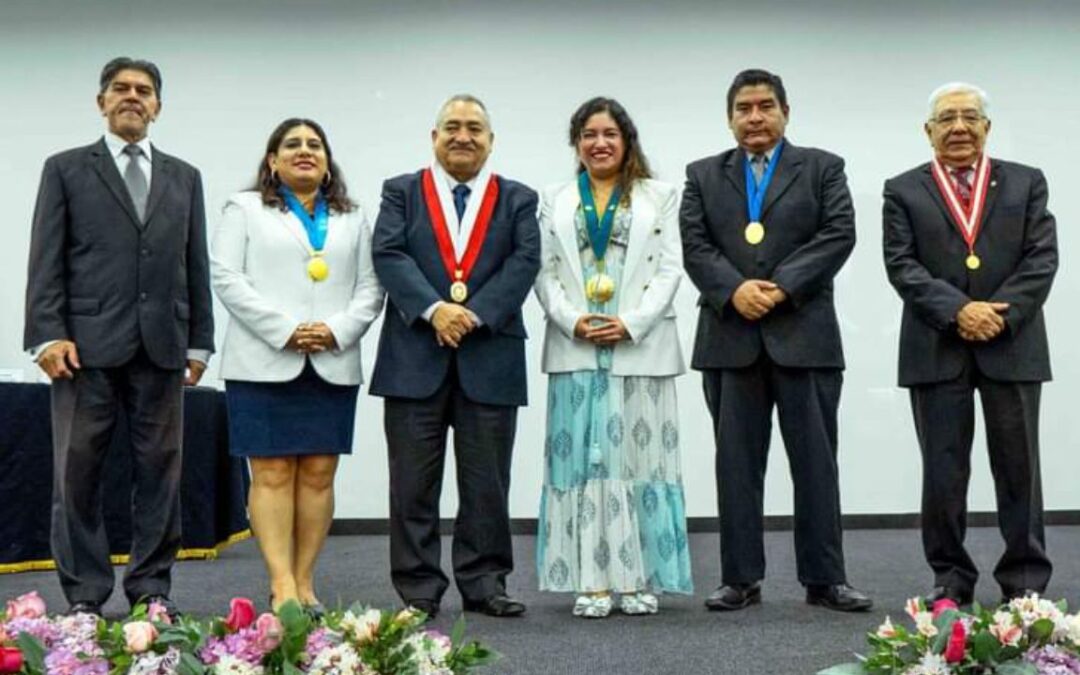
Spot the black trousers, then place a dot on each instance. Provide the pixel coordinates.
(84, 414)
(483, 443)
(741, 401)
(945, 424)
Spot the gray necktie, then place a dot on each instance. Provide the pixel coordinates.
(758, 166)
(135, 180)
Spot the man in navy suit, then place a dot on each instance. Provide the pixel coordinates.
(971, 248)
(117, 307)
(766, 226)
(457, 249)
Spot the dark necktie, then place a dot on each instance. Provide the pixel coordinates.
(135, 180)
(963, 187)
(461, 196)
(757, 164)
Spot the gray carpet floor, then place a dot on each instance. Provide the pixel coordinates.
(781, 636)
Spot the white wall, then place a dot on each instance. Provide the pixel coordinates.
(857, 73)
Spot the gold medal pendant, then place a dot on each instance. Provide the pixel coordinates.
(459, 292)
(317, 268)
(600, 288)
(754, 233)
(972, 262)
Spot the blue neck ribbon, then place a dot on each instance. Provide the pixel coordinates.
(316, 226)
(599, 229)
(755, 192)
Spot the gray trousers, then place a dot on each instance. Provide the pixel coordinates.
(84, 414)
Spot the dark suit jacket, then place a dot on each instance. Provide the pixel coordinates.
(491, 359)
(101, 278)
(810, 231)
(924, 257)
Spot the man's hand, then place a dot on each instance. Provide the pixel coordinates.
(603, 329)
(980, 321)
(452, 323)
(60, 360)
(195, 370)
(753, 298)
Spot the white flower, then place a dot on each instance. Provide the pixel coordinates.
(338, 660)
(150, 663)
(930, 664)
(886, 630)
(231, 665)
(1072, 623)
(924, 623)
(913, 607)
(363, 628)
(429, 648)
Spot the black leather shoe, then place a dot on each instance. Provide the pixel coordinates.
(163, 600)
(428, 607)
(731, 597)
(496, 605)
(948, 593)
(838, 597)
(84, 607)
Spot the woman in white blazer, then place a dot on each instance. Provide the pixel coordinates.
(291, 261)
(612, 511)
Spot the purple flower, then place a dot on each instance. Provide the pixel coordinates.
(1051, 660)
(318, 640)
(243, 644)
(44, 630)
(65, 662)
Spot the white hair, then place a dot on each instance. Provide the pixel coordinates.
(960, 88)
(461, 98)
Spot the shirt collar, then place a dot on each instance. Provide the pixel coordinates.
(452, 182)
(116, 145)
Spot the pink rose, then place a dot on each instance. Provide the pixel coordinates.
(954, 650)
(139, 635)
(11, 660)
(268, 630)
(26, 606)
(241, 614)
(157, 612)
(1007, 634)
(942, 605)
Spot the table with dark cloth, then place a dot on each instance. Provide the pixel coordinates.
(213, 487)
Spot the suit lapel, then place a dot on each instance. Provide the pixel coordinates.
(992, 190)
(642, 217)
(931, 187)
(787, 170)
(105, 167)
(566, 207)
(293, 225)
(733, 169)
(160, 177)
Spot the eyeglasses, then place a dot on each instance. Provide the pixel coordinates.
(969, 118)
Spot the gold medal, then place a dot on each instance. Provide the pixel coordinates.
(754, 233)
(600, 288)
(459, 292)
(972, 262)
(317, 268)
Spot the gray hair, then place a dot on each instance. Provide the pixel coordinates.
(960, 88)
(461, 98)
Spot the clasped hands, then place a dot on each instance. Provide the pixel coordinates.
(979, 321)
(60, 360)
(452, 322)
(600, 329)
(309, 338)
(754, 298)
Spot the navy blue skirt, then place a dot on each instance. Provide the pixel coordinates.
(306, 416)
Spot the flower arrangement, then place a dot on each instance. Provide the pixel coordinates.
(356, 641)
(1027, 636)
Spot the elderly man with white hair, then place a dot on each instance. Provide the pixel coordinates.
(971, 248)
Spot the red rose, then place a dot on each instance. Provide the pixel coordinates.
(10, 660)
(954, 651)
(241, 614)
(942, 605)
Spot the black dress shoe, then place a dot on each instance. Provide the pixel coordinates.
(948, 593)
(838, 597)
(428, 607)
(84, 607)
(163, 600)
(496, 605)
(731, 597)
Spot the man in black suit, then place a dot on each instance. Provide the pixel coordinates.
(766, 226)
(117, 306)
(457, 249)
(971, 248)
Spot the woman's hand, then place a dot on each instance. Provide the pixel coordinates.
(601, 329)
(312, 337)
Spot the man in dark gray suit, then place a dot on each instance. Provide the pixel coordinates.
(457, 249)
(971, 248)
(117, 306)
(766, 226)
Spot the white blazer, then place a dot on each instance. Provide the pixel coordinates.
(651, 275)
(258, 265)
